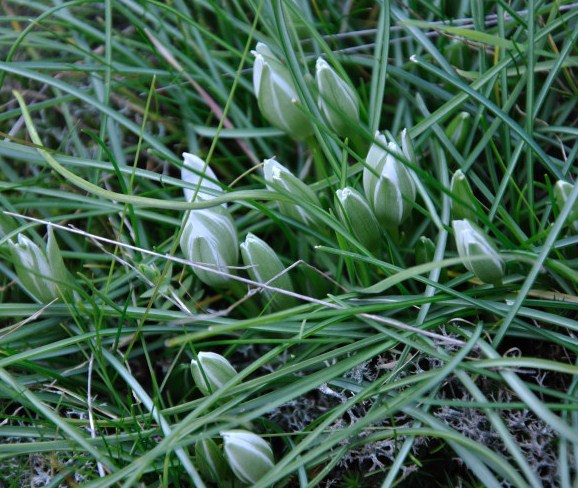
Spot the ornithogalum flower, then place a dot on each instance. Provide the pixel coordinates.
(464, 202)
(41, 271)
(263, 265)
(355, 212)
(209, 238)
(279, 178)
(211, 371)
(249, 456)
(562, 191)
(337, 100)
(200, 179)
(276, 94)
(479, 254)
(458, 129)
(424, 250)
(388, 184)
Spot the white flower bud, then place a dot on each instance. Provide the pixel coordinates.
(278, 177)
(562, 191)
(249, 456)
(277, 96)
(337, 100)
(471, 242)
(354, 211)
(263, 264)
(458, 129)
(424, 250)
(210, 238)
(41, 272)
(211, 371)
(465, 203)
(388, 184)
(195, 171)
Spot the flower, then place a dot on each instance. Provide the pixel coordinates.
(458, 129)
(464, 202)
(211, 371)
(197, 173)
(355, 212)
(41, 272)
(388, 184)
(209, 238)
(276, 94)
(249, 456)
(263, 265)
(479, 254)
(337, 100)
(562, 190)
(278, 177)
(424, 250)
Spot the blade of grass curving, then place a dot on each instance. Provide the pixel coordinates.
(83, 96)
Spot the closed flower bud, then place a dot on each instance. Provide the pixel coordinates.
(355, 212)
(472, 245)
(562, 191)
(249, 456)
(277, 96)
(210, 238)
(41, 272)
(198, 174)
(211, 371)
(278, 177)
(263, 264)
(424, 250)
(458, 129)
(337, 100)
(464, 203)
(388, 184)
(211, 461)
(425, 253)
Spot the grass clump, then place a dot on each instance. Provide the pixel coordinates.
(367, 253)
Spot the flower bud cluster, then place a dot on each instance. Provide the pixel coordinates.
(279, 102)
(209, 237)
(387, 182)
